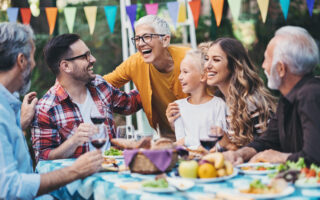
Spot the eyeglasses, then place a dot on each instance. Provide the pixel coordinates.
(146, 38)
(87, 55)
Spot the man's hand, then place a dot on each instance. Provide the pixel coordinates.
(28, 109)
(88, 163)
(172, 113)
(270, 156)
(233, 157)
(83, 133)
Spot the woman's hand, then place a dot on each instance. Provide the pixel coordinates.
(172, 113)
(224, 142)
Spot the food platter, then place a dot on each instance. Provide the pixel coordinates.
(257, 168)
(289, 190)
(305, 183)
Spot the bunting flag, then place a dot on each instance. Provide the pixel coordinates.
(91, 14)
(263, 6)
(235, 6)
(182, 15)
(25, 15)
(111, 13)
(132, 12)
(173, 12)
(310, 4)
(151, 8)
(285, 7)
(12, 14)
(51, 17)
(70, 16)
(217, 6)
(195, 9)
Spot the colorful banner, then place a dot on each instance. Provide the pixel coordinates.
(111, 13)
(91, 14)
(182, 16)
(285, 7)
(173, 12)
(132, 12)
(151, 8)
(70, 16)
(12, 14)
(263, 6)
(310, 4)
(217, 6)
(235, 6)
(25, 15)
(51, 17)
(195, 9)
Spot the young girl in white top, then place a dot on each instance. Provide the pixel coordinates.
(200, 111)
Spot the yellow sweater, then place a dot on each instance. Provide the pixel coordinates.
(135, 69)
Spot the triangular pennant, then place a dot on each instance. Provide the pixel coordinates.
(151, 8)
(235, 6)
(173, 12)
(25, 15)
(195, 9)
(182, 16)
(12, 14)
(51, 17)
(263, 6)
(111, 13)
(310, 4)
(132, 12)
(217, 6)
(91, 14)
(285, 7)
(35, 10)
(70, 16)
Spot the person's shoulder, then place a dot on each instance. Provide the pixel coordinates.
(181, 102)
(217, 99)
(310, 89)
(48, 101)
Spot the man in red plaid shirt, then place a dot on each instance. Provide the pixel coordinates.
(62, 126)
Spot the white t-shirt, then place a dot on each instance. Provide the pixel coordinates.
(85, 110)
(196, 120)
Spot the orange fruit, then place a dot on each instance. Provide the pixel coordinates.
(207, 170)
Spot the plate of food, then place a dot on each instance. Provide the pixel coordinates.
(257, 168)
(157, 186)
(113, 153)
(110, 164)
(309, 177)
(277, 188)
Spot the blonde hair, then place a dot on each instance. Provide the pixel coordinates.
(197, 59)
(246, 88)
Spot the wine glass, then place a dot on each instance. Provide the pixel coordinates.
(214, 133)
(99, 138)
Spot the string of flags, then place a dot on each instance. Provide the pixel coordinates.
(177, 11)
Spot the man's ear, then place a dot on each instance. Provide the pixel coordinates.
(281, 69)
(21, 61)
(166, 40)
(65, 66)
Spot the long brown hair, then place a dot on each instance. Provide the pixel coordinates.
(246, 88)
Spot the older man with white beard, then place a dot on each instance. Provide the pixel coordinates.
(294, 131)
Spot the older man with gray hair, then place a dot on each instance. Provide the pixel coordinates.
(17, 179)
(294, 131)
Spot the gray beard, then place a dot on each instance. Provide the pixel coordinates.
(26, 81)
(25, 88)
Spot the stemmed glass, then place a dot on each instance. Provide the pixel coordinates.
(100, 138)
(214, 134)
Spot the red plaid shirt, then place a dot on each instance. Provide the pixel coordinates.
(56, 115)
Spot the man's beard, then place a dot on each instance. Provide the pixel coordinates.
(26, 81)
(274, 80)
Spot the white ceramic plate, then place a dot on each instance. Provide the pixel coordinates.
(115, 157)
(181, 183)
(212, 180)
(302, 184)
(256, 172)
(143, 176)
(169, 189)
(289, 190)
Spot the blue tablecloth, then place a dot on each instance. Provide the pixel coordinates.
(103, 185)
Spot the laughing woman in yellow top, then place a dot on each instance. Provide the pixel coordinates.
(154, 69)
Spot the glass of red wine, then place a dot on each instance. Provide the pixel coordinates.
(215, 134)
(100, 137)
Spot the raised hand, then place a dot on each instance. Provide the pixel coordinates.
(28, 107)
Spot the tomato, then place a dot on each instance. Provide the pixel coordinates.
(262, 168)
(304, 170)
(312, 173)
(319, 175)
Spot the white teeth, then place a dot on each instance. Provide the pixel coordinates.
(146, 51)
(211, 73)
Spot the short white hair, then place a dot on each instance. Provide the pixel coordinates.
(297, 49)
(159, 25)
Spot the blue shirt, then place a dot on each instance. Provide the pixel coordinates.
(17, 180)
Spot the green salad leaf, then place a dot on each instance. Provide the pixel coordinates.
(113, 152)
(256, 183)
(160, 183)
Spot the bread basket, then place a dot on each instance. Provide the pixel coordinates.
(143, 165)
